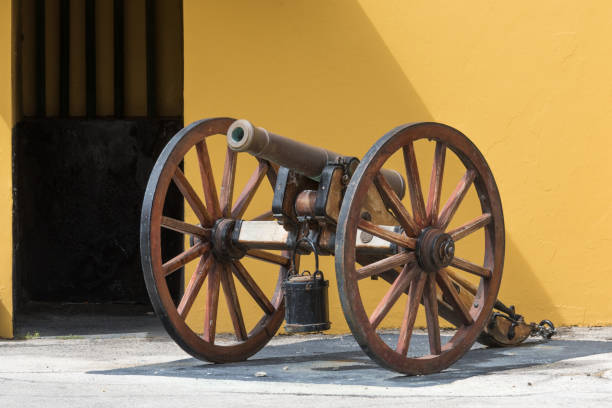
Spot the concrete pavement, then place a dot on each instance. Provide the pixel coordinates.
(129, 361)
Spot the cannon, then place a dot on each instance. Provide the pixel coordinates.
(381, 228)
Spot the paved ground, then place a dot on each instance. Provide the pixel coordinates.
(127, 360)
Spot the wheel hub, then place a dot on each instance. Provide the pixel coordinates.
(434, 250)
(222, 240)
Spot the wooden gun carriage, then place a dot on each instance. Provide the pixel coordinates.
(356, 210)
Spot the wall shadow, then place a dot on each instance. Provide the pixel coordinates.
(522, 287)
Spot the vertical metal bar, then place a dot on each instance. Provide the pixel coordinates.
(150, 38)
(118, 57)
(41, 94)
(64, 57)
(90, 56)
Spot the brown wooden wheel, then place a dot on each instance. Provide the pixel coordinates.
(217, 263)
(424, 266)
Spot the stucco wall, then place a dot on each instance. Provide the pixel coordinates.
(529, 83)
(6, 201)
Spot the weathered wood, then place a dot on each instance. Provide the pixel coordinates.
(471, 268)
(468, 228)
(185, 228)
(247, 194)
(415, 295)
(385, 264)
(191, 197)
(449, 209)
(249, 284)
(402, 240)
(233, 305)
(395, 291)
(414, 184)
(208, 181)
(227, 183)
(435, 185)
(269, 257)
(194, 285)
(212, 303)
(184, 258)
(394, 203)
(431, 315)
(453, 297)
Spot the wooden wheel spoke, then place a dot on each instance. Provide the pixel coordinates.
(245, 197)
(208, 181)
(399, 239)
(212, 303)
(227, 183)
(194, 285)
(184, 257)
(435, 185)
(415, 294)
(392, 201)
(468, 228)
(385, 264)
(269, 257)
(267, 216)
(431, 314)
(233, 305)
(414, 184)
(191, 197)
(251, 286)
(462, 282)
(471, 268)
(450, 207)
(185, 228)
(398, 287)
(453, 297)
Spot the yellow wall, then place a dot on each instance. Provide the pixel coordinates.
(6, 200)
(529, 82)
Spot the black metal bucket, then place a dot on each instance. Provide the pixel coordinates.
(306, 302)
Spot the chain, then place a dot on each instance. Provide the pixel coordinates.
(545, 328)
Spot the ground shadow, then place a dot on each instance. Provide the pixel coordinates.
(339, 360)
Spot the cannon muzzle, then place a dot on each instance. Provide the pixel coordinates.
(308, 160)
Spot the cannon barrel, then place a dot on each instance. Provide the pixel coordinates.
(308, 160)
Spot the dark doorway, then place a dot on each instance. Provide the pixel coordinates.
(100, 94)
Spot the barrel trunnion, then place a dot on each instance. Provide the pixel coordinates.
(328, 204)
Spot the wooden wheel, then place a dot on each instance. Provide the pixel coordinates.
(216, 264)
(425, 267)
